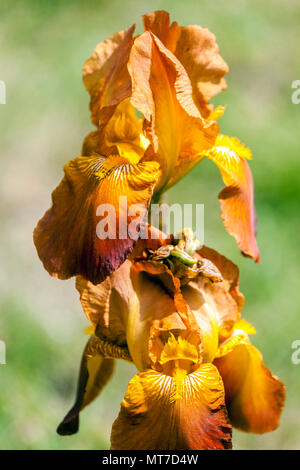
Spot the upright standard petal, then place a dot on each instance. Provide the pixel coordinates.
(162, 91)
(237, 199)
(224, 295)
(254, 396)
(106, 77)
(71, 239)
(156, 415)
(216, 305)
(161, 308)
(197, 50)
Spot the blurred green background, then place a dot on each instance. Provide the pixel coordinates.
(43, 45)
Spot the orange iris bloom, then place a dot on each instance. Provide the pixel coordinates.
(167, 74)
(180, 324)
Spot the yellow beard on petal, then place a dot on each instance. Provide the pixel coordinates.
(178, 358)
(178, 385)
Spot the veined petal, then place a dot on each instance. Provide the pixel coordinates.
(237, 200)
(106, 77)
(162, 413)
(95, 372)
(254, 396)
(162, 91)
(197, 50)
(69, 239)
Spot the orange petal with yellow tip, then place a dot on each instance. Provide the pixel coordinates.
(69, 239)
(106, 77)
(162, 92)
(237, 199)
(161, 412)
(197, 50)
(254, 396)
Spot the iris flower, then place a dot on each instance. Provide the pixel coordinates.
(150, 105)
(176, 315)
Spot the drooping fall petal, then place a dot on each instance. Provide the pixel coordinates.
(237, 199)
(162, 91)
(69, 239)
(162, 413)
(106, 77)
(95, 372)
(254, 396)
(196, 48)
